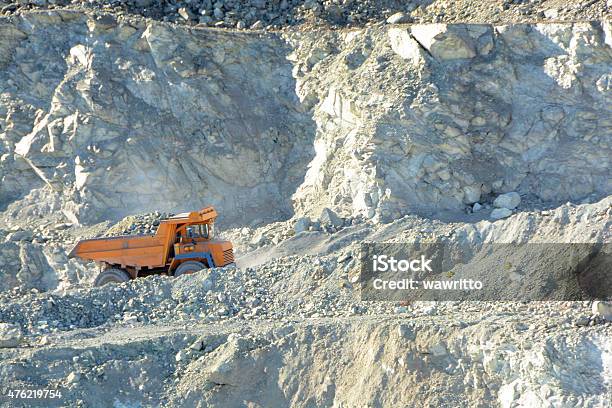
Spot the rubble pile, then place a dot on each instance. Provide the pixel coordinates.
(276, 14)
(186, 336)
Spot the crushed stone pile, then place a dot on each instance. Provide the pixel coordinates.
(292, 287)
(323, 281)
(182, 344)
(276, 14)
(287, 290)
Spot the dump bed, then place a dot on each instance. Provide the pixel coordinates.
(136, 251)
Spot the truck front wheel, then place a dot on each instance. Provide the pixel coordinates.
(111, 275)
(188, 267)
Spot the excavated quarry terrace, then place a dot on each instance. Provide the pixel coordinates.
(283, 124)
(308, 143)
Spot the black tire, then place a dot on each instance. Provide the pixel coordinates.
(189, 267)
(111, 275)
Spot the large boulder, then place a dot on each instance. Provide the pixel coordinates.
(329, 218)
(21, 235)
(471, 194)
(35, 271)
(404, 45)
(603, 309)
(445, 42)
(499, 213)
(399, 18)
(508, 200)
(302, 224)
(10, 335)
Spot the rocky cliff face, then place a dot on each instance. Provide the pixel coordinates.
(142, 117)
(456, 113)
(114, 117)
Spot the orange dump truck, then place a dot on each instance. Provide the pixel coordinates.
(183, 244)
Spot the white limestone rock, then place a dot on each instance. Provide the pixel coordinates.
(508, 200)
(603, 309)
(10, 335)
(499, 213)
(445, 42)
(399, 18)
(302, 224)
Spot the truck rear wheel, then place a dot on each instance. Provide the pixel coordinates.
(189, 267)
(111, 275)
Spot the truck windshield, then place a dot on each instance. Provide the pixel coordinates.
(200, 231)
(203, 231)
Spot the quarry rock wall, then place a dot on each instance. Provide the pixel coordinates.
(115, 117)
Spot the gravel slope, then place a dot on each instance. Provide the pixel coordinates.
(292, 330)
(278, 14)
